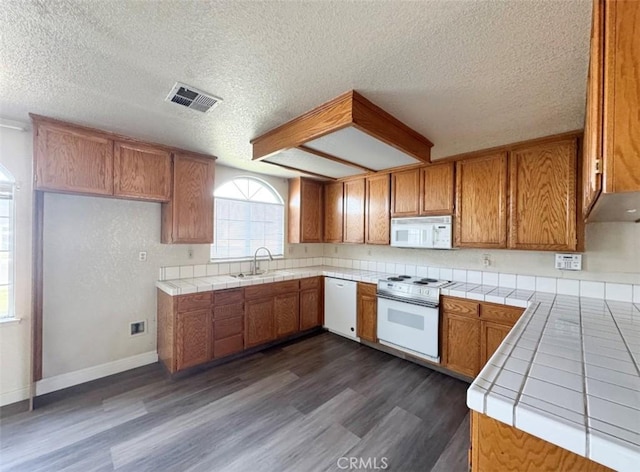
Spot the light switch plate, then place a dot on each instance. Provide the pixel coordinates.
(569, 261)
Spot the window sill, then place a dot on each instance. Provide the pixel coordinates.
(244, 259)
(10, 320)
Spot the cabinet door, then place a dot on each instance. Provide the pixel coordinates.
(141, 172)
(367, 321)
(405, 196)
(73, 160)
(461, 350)
(378, 217)
(188, 217)
(621, 120)
(311, 307)
(481, 202)
(259, 322)
(436, 194)
(286, 308)
(311, 211)
(592, 144)
(542, 197)
(333, 211)
(490, 339)
(194, 334)
(354, 211)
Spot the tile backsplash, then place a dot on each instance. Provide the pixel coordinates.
(473, 278)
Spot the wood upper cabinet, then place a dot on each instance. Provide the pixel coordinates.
(367, 317)
(188, 216)
(612, 124)
(259, 322)
(405, 193)
(542, 214)
(194, 333)
(69, 159)
(354, 198)
(333, 212)
(286, 308)
(481, 202)
(305, 211)
(437, 189)
(141, 172)
(311, 303)
(377, 212)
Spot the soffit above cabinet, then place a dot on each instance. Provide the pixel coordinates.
(346, 136)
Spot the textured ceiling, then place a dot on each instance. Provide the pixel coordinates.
(466, 74)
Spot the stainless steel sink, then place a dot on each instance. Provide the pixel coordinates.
(271, 273)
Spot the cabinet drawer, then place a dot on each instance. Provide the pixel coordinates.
(228, 311)
(313, 282)
(500, 313)
(228, 346)
(194, 301)
(459, 306)
(269, 290)
(228, 297)
(229, 327)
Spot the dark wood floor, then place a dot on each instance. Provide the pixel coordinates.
(298, 408)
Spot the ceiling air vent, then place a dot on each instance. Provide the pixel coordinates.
(193, 98)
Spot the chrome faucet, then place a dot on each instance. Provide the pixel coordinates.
(254, 268)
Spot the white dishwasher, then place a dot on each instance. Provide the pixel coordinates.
(340, 306)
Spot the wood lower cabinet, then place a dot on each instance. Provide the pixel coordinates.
(333, 212)
(228, 322)
(543, 201)
(472, 331)
(377, 210)
(188, 216)
(193, 338)
(496, 446)
(405, 193)
(72, 159)
(305, 211)
(481, 202)
(311, 303)
(367, 317)
(259, 322)
(354, 210)
(461, 351)
(286, 308)
(141, 172)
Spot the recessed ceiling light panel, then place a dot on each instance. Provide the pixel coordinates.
(191, 97)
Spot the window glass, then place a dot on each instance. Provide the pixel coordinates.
(6, 243)
(249, 214)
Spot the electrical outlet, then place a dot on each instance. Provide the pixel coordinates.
(142, 256)
(305, 249)
(137, 327)
(368, 252)
(486, 260)
(190, 253)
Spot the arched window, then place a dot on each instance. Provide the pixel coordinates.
(249, 213)
(7, 187)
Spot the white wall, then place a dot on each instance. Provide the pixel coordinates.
(15, 338)
(612, 255)
(94, 285)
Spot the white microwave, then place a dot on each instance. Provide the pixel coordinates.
(432, 232)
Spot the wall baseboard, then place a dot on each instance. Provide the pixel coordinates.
(51, 384)
(14, 396)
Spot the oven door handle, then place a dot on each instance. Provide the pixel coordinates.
(407, 301)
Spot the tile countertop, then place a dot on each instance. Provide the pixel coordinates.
(567, 372)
